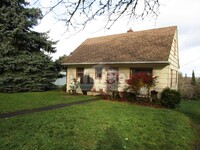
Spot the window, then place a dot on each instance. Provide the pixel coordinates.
(139, 70)
(80, 73)
(98, 72)
(171, 78)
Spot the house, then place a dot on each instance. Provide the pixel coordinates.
(101, 59)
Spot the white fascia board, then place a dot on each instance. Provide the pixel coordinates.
(117, 63)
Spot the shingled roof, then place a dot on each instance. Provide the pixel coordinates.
(139, 46)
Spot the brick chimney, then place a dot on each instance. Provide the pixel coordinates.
(130, 30)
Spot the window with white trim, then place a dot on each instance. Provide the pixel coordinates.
(98, 72)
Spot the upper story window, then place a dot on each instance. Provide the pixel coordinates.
(98, 72)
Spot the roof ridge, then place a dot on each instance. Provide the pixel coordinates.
(118, 34)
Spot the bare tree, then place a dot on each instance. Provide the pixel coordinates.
(78, 13)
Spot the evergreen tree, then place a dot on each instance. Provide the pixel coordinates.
(193, 81)
(24, 66)
(61, 60)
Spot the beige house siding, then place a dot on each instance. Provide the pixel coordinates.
(88, 70)
(162, 80)
(71, 73)
(124, 74)
(174, 64)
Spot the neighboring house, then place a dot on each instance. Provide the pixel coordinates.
(102, 58)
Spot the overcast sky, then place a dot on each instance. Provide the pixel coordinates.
(182, 13)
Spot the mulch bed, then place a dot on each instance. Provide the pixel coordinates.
(148, 104)
(141, 103)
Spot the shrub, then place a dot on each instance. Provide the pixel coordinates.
(74, 85)
(140, 80)
(170, 98)
(154, 95)
(105, 96)
(129, 96)
(84, 92)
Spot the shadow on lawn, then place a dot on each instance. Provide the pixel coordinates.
(111, 140)
(191, 109)
(195, 125)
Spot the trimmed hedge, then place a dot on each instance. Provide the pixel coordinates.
(170, 98)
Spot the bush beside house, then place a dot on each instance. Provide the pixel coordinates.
(170, 98)
(132, 93)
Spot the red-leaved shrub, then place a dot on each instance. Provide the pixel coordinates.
(141, 79)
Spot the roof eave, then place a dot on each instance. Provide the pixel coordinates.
(111, 63)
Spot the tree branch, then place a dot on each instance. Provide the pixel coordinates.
(78, 13)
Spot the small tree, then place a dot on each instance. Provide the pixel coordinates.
(112, 88)
(140, 80)
(149, 82)
(135, 82)
(61, 60)
(193, 81)
(74, 85)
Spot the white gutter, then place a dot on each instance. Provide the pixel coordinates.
(139, 62)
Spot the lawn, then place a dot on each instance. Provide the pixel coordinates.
(192, 110)
(19, 101)
(99, 125)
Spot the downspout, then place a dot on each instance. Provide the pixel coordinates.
(66, 79)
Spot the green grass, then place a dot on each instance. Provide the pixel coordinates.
(192, 110)
(99, 125)
(18, 101)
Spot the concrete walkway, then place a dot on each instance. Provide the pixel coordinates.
(51, 107)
